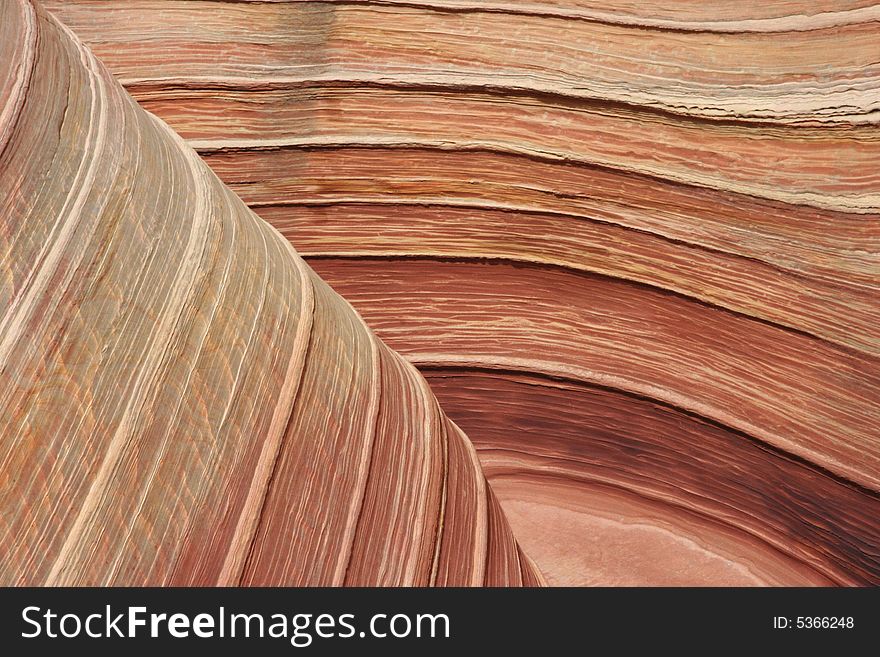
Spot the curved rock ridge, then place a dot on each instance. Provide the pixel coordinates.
(182, 399)
(635, 246)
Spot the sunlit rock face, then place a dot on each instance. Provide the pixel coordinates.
(633, 247)
(182, 399)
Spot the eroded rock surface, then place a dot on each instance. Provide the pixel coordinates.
(634, 246)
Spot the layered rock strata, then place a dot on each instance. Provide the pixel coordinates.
(654, 226)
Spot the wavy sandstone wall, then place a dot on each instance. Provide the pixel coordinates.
(633, 246)
(182, 399)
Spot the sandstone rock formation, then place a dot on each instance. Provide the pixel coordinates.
(634, 247)
(182, 400)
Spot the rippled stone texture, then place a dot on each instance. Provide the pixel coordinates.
(634, 245)
(182, 399)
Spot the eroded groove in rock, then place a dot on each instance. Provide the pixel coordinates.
(677, 201)
(598, 445)
(182, 399)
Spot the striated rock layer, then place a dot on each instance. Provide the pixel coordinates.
(182, 399)
(634, 246)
